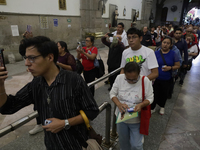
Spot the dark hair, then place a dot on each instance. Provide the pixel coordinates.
(121, 24)
(63, 44)
(43, 44)
(91, 39)
(175, 27)
(132, 67)
(178, 29)
(168, 37)
(134, 31)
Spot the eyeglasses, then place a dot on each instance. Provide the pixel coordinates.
(31, 59)
(87, 40)
(132, 80)
(132, 37)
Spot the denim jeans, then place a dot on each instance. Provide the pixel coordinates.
(129, 136)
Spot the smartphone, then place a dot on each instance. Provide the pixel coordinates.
(29, 28)
(110, 34)
(79, 45)
(130, 110)
(2, 62)
(46, 122)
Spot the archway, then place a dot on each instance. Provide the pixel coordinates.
(192, 16)
(164, 14)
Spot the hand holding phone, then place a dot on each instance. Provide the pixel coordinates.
(79, 45)
(110, 34)
(29, 28)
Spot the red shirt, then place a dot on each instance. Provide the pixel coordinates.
(87, 63)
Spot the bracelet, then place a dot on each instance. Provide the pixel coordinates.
(171, 67)
(2, 93)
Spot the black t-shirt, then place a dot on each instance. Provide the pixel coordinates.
(153, 36)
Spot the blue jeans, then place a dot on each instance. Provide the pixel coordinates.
(129, 136)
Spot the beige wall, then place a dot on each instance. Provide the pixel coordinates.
(62, 32)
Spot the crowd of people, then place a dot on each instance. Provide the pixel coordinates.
(59, 93)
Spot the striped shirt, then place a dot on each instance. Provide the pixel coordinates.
(68, 93)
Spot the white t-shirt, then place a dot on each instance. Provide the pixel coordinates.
(131, 93)
(158, 34)
(192, 49)
(144, 56)
(124, 38)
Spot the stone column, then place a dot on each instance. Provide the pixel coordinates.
(146, 12)
(91, 20)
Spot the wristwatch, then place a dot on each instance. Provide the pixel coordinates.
(67, 126)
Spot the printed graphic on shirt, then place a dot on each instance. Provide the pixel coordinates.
(138, 59)
(129, 97)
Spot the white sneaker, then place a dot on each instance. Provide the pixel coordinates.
(36, 129)
(153, 111)
(162, 110)
(143, 140)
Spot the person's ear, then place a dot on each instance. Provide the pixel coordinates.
(51, 57)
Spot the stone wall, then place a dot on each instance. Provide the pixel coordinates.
(62, 32)
(89, 21)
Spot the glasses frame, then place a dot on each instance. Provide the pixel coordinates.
(31, 59)
(133, 81)
(132, 38)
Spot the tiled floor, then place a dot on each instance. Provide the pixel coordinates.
(183, 129)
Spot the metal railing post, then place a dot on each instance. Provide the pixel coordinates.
(106, 106)
(114, 134)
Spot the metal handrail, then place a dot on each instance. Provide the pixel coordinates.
(104, 77)
(18, 123)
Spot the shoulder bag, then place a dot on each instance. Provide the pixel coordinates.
(173, 73)
(99, 65)
(79, 66)
(145, 114)
(95, 139)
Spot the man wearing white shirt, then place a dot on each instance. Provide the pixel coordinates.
(120, 31)
(158, 38)
(140, 54)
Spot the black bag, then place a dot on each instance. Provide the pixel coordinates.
(79, 66)
(189, 65)
(100, 71)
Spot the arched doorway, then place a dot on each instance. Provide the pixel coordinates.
(192, 17)
(164, 14)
